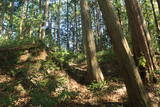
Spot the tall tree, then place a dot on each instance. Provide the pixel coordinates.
(89, 42)
(155, 18)
(67, 23)
(2, 5)
(140, 38)
(136, 93)
(21, 23)
(158, 2)
(11, 17)
(58, 23)
(40, 12)
(45, 18)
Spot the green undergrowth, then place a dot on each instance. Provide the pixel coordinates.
(39, 79)
(96, 86)
(40, 86)
(13, 42)
(105, 56)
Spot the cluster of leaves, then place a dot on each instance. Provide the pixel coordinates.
(42, 95)
(105, 56)
(80, 57)
(63, 55)
(142, 61)
(13, 42)
(96, 86)
(7, 101)
(49, 65)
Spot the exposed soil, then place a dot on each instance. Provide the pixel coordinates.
(112, 94)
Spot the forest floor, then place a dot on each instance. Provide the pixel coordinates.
(68, 86)
(112, 94)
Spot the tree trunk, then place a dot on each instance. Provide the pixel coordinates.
(158, 2)
(2, 5)
(155, 19)
(11, 18)
(40, 12)
(45, 17)
(140, 38)
(89, 43)
(133, 82)
(98, 30)
(58, 23)
(21, 35)
(67, 22)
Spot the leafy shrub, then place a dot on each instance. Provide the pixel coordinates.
(79, 58)
(158, 92)
(105, 56)
(49, 65)
(61, 55)
(157, 71)
(7, 101)
(96, 86)
(13, 42)
(142, 61)
(66, 95)
(42, 98)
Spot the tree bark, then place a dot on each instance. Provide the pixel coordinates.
(45, 18)
(67, 22)
(158, 2)
(21, 35)
(58, 23)
(133, 82)
(140, 35)
(2, 11)
(155, 19)
(90, 43)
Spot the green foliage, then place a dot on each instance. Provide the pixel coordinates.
(62, 55)
(67, 56)
(49, 65)
(21, 71)
(8, 58)
(158, 92)
(79, 58)
(12, 42)
(6, 101)
(142, 61)
(96, 86)
(66, 95)
(105, 56)
(42, 98)
(157, 71)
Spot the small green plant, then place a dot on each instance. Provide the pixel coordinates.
(66, 95)
(7, 101)
(142, 61)
(157, 71)
(42, 98)
(105, 56)
(79, 58)
(12, 42)
(50, 65)
(96, 86)
(158, 92)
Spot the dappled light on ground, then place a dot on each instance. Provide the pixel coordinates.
(38, 78)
